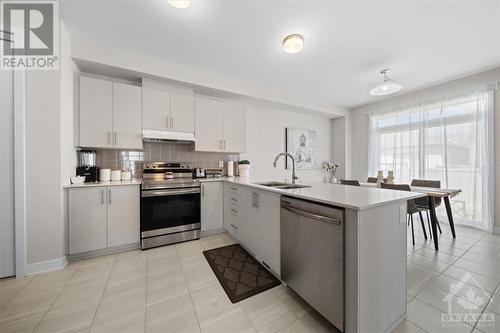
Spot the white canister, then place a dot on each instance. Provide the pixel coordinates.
(230, 169)
(126, 175)
(244, 170)
(116, 175)
(104, 175)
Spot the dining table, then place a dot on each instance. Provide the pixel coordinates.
(433, 193)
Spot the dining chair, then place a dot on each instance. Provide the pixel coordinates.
(374, 180)
(423, 203)
(411, 207)
(349, 182)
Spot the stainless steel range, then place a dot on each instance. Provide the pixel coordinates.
(170, 204)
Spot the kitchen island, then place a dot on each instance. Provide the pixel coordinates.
(374, 242)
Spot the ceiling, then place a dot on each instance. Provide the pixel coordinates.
(347, 42)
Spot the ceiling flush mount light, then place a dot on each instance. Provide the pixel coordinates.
(181, 4)
(293, 43)
(387, 87)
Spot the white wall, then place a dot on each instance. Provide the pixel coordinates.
(360, 122)
(266, 139)
(43, 183)
(7, 262)
(339, 146)
(68, 72)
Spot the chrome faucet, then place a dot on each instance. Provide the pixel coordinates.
(294, 175)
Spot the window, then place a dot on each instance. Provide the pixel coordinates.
(447, 141)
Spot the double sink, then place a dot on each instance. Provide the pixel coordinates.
(281, 185)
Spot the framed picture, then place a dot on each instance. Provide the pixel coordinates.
(301, 144)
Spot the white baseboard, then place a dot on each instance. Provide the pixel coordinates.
(47, 266)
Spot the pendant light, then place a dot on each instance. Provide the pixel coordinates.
(387, 87)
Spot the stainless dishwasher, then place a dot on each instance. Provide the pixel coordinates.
(312, 255)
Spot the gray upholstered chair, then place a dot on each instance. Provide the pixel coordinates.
(411, 207)
(423, 203)
(349, 182)
(374, 180)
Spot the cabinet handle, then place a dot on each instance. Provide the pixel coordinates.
(109, 196)
(102, 197)
(109, 138)
(223, 144)
(171, 122)
(115, 138)
(257, 200)
(235, 227)
(253, 199)
(220, 144)
(166, 122)
(234, 210)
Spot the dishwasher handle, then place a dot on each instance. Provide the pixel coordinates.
(317, 217)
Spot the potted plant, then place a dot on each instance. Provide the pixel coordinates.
(244, 168)
(331, 169)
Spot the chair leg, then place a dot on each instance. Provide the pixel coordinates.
(429, 223)
(412, 231)
(439, 227)
(423, 224)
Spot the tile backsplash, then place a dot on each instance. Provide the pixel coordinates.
(168, 152)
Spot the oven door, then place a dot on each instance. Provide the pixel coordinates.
(169, 211)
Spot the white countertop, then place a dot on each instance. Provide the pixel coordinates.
(353, 197)
(110, 183)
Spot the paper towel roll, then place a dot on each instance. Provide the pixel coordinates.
(230, 168)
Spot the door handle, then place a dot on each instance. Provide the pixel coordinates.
(317, 217)
(102, 197)
(109, 196)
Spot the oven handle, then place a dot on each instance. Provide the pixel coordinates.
(163, 193)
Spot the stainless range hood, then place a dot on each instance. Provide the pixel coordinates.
(167, 136)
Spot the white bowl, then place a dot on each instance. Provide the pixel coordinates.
(77, 180)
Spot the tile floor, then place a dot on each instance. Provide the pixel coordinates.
(173, 289)
(167, 289)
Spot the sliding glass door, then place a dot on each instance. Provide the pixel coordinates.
(450, 141)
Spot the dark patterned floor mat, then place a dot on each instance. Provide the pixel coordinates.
(239, 273)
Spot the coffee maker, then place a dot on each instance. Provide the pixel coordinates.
(86, 165)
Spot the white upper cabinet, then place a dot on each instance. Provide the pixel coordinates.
(235, 128)
(167, 108)
(109, 114)
(127, 116)
(155, 106)
(209, 124)
(96, 113)
(220, 125)
(182, 111)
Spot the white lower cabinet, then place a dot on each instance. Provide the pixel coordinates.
(123, 215)
(211, 206)
(102, 217)
(253, 218)
(87, 219)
